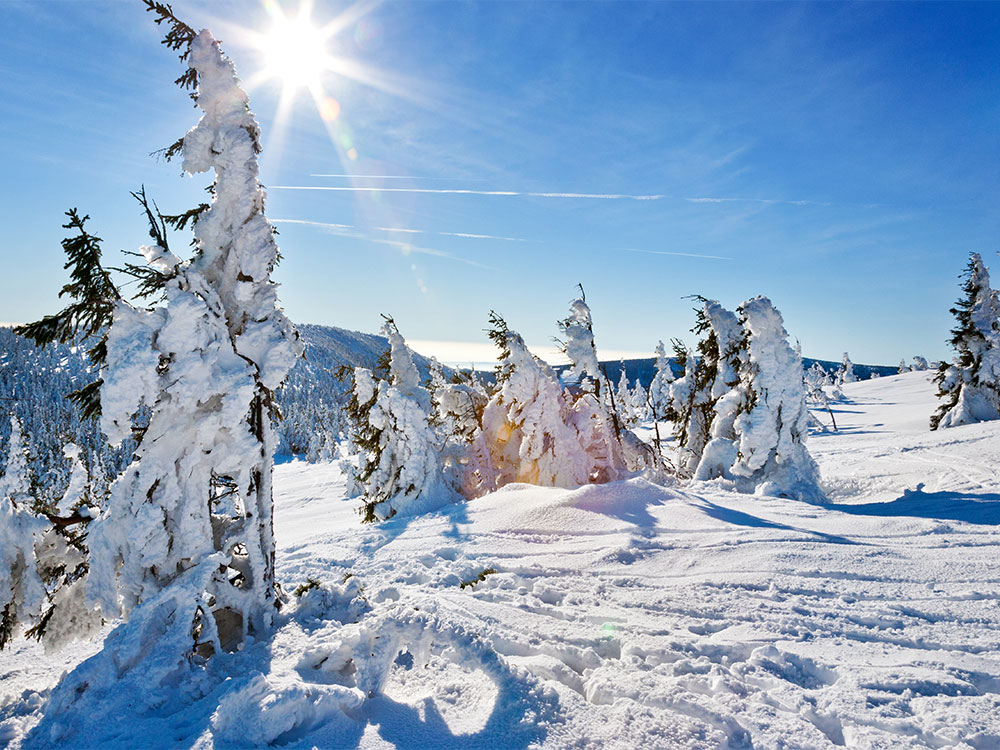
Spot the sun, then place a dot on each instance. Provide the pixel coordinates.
(295, 51)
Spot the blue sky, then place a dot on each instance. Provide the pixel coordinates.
(841, 159)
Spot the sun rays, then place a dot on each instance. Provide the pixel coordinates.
(303, 56)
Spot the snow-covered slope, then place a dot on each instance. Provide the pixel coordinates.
(624, 615)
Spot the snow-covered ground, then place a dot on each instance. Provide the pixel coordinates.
(623, 615)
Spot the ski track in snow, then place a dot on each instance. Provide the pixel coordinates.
(631, 615)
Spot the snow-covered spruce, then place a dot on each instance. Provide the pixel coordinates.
(706, 379)
(659, 387)
(527, 420)
(846, 373)
(189, 523)
(458, 418)
(22, 591)
(623, 399)
(593, 412)
(767, 453)
(401, 469)
(970, 385)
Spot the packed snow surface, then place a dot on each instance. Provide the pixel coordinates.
(620, 615)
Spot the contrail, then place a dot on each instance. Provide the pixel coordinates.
(463, 191)
(683, 255)
(348, 230)
(765, 201)
(399, 177)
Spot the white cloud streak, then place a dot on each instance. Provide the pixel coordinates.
(397, 177)
(406, 248)
(764, 201)
(522, 194)
(464, 235)
(682, 255)
(465, 191)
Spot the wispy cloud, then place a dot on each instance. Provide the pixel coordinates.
(683, 255)
(398, 177)
(535, 194)
(347, 230)
(321, 224)
(463, 235)
(464, 191)
(764, 201)
(402, 230)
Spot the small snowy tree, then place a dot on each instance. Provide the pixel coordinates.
(640, 402)
(22, 591)
(659, 387)
(813, 380)
(903, 367)
(688, 396)
(846, 374)
(458, 417)
(593, 412)
(658, 395)
(970, 386)
(707, 378)
(527, 422)
(401, 472)
(623, 399)
(920, 363)
(768, 453)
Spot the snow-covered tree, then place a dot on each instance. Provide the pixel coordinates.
(659, 387)
(640, 402)
(623, 399)
(903, 367)
(22, 591)
(970, 386)
(591, 398)
(814, 379)
(688, 395)
(401, 468)
(465, 455)
(527, 422)
(846, 374)
(192, 514)
(767, 453)
(920, 363)
(707, 378)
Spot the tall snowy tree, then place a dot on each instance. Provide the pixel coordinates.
(970, 385)
(188, 525)
(767, 453)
